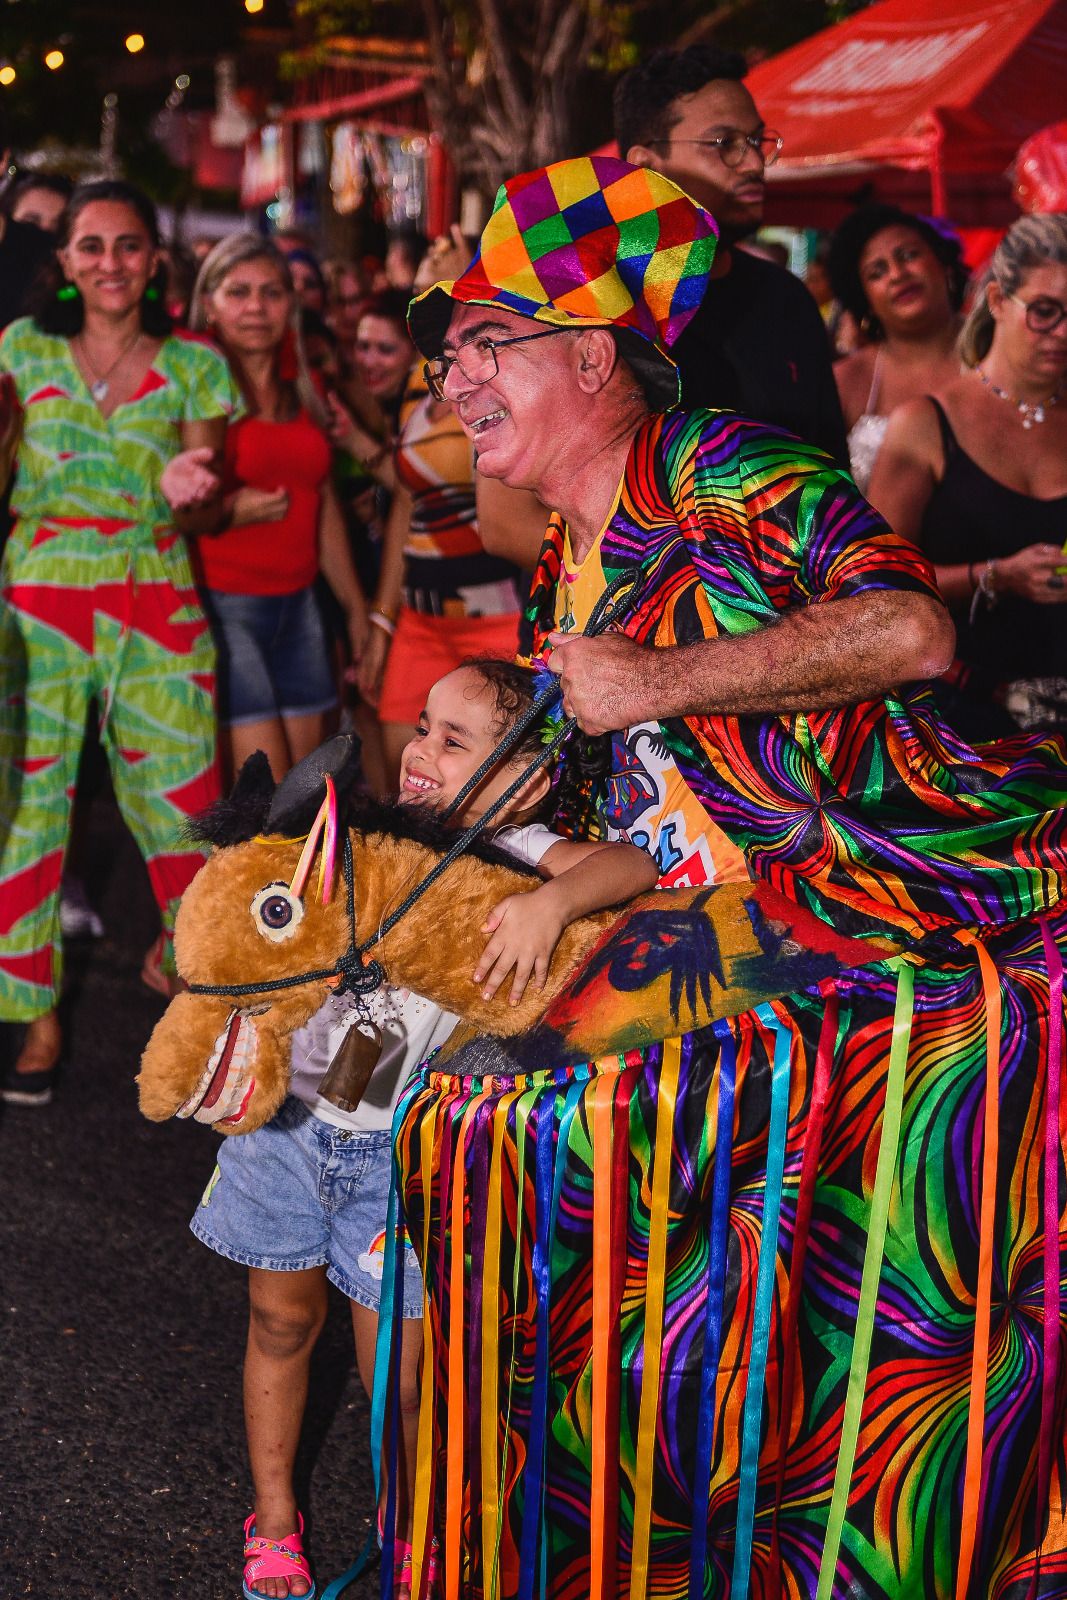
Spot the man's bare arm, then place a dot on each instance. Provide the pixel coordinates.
(831, 654)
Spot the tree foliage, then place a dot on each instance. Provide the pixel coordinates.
(517, 83)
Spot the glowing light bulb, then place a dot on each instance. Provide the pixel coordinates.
(134, 42)
(253, 5)
(7, 75)
(54, 60)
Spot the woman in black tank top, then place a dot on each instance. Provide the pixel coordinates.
(978, 477)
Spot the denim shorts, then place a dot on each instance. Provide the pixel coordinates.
(300, 1193)
(273, 656)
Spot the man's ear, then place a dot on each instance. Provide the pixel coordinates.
(599, 356)
(639, 155)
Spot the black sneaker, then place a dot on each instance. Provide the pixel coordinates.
(27, 1088)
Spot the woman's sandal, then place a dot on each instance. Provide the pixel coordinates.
(271, 1558)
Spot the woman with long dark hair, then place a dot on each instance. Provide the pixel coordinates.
(99, 604)
(902, 280)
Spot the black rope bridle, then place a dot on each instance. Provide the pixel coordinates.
(361, 978)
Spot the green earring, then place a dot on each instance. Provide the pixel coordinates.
(151, 293)
(67, 292)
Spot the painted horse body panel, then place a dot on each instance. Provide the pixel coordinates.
(664, 965)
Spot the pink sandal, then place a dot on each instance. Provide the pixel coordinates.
(269, 1558)
(404, 1565)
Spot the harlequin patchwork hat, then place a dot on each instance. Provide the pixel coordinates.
(590, 242)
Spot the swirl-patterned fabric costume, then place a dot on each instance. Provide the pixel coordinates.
(774, 1308)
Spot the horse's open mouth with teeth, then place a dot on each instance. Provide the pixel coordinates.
(228, 1081)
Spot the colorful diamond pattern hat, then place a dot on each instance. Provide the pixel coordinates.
(590, 242)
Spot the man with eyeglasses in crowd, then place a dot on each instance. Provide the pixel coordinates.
(757, 345)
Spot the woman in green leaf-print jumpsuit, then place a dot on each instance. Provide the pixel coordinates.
(98, 601)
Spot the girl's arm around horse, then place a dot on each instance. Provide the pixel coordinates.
(526, 928)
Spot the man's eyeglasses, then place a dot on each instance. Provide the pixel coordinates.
(733, 147)
(476, 360)
(1043, 314)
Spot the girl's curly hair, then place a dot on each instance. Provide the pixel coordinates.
(583, 766)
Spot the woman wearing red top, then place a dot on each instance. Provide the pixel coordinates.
(276, 686)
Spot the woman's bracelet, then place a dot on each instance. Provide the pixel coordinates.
(985, 589)
(378, 619)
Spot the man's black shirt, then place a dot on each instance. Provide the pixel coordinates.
(758, 345)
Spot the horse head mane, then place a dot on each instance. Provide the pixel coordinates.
(422, 826)
(243, 815)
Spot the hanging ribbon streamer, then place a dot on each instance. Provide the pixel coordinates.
(480, 1148)
(425, 1455)
(872, 1271)
(972, 1476)
(490, 1421)
(1051, 1329)
(604, 1088)
(456, 1441)
(764, 1308)
(809, 1168)
(717, 1255)
(533, 1472)
(651, 1375)
(524, 1106)
(576, 1093)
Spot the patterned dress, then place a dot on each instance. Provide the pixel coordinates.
(775, 1308)
(458, 600)
(98, 604)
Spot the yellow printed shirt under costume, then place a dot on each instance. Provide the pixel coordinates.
(649, 803)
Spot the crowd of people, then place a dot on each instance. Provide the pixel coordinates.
(256, 498)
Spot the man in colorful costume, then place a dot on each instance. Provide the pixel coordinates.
(775, 1308)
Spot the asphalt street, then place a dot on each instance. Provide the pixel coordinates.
(122, 1458)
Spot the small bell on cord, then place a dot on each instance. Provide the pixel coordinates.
(355, 1058)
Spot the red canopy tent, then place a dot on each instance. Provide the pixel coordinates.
(943, 88)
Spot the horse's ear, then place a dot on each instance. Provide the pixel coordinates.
(301, 792)
(244, 812)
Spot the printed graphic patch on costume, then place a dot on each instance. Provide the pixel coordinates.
(650, 805)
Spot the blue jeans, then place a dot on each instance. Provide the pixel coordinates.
(300, 1193)
(273, 656)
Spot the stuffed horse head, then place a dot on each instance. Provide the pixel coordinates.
(263, 909)
(301, 881)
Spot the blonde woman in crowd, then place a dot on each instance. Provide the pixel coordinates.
(283, 525)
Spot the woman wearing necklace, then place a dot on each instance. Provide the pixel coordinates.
(977, 475)
(99, 605)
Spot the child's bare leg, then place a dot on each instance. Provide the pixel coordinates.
(365, 1327)
(286, 1311)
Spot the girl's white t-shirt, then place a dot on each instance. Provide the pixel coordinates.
(411, 1027)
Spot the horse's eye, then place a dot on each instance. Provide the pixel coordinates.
(277, 912)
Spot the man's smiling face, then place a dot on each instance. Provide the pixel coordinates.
(518, 419)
